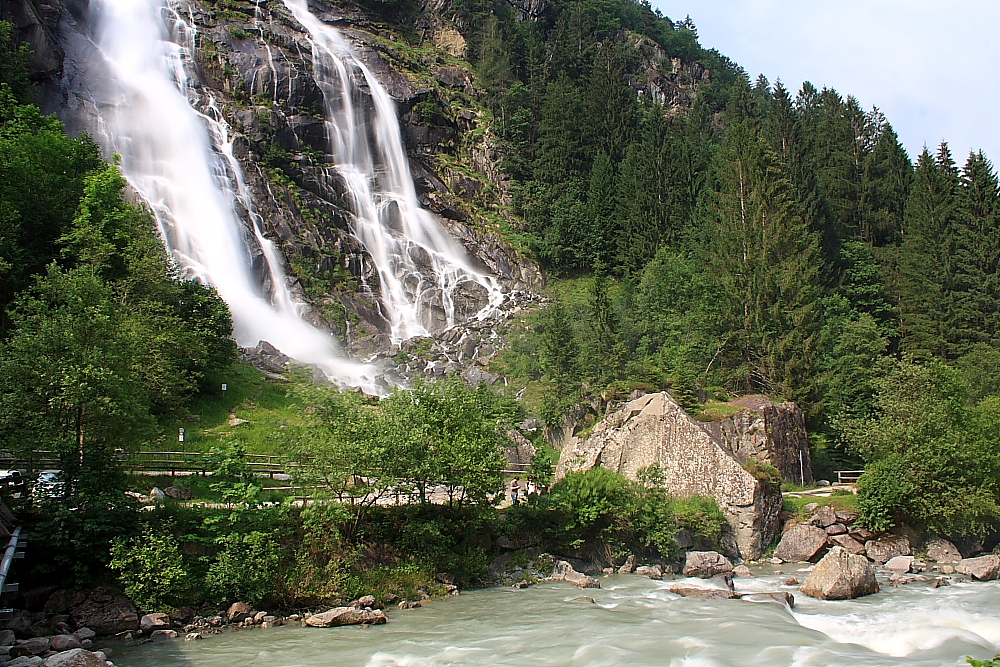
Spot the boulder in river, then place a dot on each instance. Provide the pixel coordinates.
(346, 616)
(705, 564)
(840, 576)
(984, 568)
(885, 548)
(784, 598)
(704, 593)
(651, 571)
(239, 612)
(563, 571)
(942, 551)
(801, 543)
(64, 643)
(900, 564)
(743, 571)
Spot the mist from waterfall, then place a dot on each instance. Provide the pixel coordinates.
(420, 266)
(177, 153)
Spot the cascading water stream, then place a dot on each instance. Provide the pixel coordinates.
(180, 161)
(420, 266)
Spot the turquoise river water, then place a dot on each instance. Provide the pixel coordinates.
(635, 621)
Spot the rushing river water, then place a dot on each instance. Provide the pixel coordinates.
(635, 622)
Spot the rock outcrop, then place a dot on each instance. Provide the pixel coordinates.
(773, 433)
(841, 576)
(654, 429)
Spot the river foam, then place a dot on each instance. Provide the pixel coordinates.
(632, 621)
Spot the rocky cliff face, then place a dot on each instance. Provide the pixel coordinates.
(654, 429)
(770, 433)
(253, 65)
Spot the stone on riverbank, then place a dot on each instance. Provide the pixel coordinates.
(563, 571)
(984, 568)
(34, 646)
(705, 564)
(239, 612)
(943, 551)
(743, 571)
(651, 571)
(151, 622)
(784, 598)
(77, 657)
(848, 543)
(801, 543)
(841, 576)
(64, 643)
(888, 547)
(105, 614)
(340, 616)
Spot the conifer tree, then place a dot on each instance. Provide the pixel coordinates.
(760, 251)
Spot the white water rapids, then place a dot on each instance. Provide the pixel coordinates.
(138, 75)
(636, 622)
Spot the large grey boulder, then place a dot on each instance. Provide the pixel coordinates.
(33, 646)
(984, 568)
(942, 551)
(26, 661)
(654, 429)
(340, 616)
(64, 643)
(239, 612)
(840, 576)
(825, 516)
(105, 614)
(563, 571)
(705, 564)
(78, 657)
(886, 548)
(801, 543)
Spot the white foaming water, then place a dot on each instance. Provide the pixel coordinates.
(180, 161)
(636, 621)
(420, 266)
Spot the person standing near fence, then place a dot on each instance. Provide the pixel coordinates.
(515, 489)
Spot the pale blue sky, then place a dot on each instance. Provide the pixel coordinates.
(930, 65)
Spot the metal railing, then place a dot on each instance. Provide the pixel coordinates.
(848, 476)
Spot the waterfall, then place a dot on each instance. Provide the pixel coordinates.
(177, 153)
(420, 266)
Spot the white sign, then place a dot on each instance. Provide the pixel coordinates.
(180, 435)
(225, 387)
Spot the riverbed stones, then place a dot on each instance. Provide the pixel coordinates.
(784, 598)
(705, 564)
(984, 568)
(340, 616)
(33, 646)
(563, 571)
(162, 635)
(77, 657)
(26, 661)
(840, 576)
(901, 564)
(628, 567)
(83, 634)
(942, 551)
(654, 429)
(801, 543)
(7, 638)
(651, 571)
(885, 548)
(743, 571)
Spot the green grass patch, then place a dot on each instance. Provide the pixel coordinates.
(250, 395)
(714, 411)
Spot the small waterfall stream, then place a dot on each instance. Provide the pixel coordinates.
(420, 266)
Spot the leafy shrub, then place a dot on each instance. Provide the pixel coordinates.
(151, 568)
(995, 662)
(245, 568)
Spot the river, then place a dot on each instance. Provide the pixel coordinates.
(635, 621)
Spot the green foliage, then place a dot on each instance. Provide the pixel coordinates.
(245, 569)
(151, 568)
(932, 459)
(14, 60)
(995, 662)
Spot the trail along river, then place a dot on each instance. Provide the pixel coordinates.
(635, 621)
